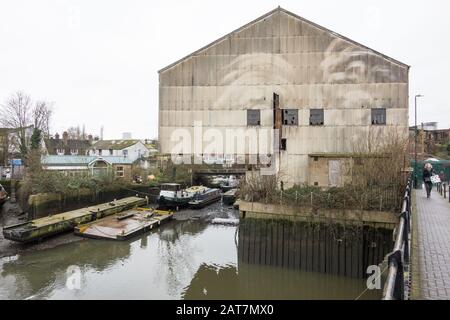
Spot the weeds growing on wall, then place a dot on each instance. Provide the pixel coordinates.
(376, 180)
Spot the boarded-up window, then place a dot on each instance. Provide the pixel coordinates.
(253, 117)
(334, 173)
(290, 117)
(316, 117)
(379, 116)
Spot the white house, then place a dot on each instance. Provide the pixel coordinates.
(130, 149)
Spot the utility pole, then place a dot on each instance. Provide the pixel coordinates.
(415, 142)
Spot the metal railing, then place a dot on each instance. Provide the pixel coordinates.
(443, 188)
(396, 287)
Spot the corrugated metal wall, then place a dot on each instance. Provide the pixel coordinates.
(307, 66)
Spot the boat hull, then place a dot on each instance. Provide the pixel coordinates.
(67, 221)
(122, 228)
(229, 200)
(164, 202)
(204, 203)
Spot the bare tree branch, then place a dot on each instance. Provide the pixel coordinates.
(18, 113)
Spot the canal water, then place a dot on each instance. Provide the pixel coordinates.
(189, 258)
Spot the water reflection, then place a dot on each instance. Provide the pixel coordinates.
(212, 282)
(345, 250)
(186, 259)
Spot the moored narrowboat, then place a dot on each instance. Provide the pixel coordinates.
(124, 225)
(229, 183)
(229, 197)
(202, 199)
(67, 221)
(172, 195)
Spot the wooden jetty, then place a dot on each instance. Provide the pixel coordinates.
(124, 225)
(67, 221)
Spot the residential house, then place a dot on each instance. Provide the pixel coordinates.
(130, 149)
(117, 166)
(66, 146)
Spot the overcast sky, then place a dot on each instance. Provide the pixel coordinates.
(97, 60)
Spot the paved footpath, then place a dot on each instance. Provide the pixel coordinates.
(432, 246)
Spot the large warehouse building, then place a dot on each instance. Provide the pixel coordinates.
(328, 95)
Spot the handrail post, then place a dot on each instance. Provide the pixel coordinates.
(395, 259)
(405, 236)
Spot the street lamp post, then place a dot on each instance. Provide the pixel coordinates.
(415, 142)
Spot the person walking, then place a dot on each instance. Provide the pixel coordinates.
(428, 172)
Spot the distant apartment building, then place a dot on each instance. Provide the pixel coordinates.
(326, 94)
(429, 138)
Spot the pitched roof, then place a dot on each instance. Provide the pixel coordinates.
(52, 144)
(114, 144)
(13, 130)
(81, 160)
(150, 146)
(279, 9)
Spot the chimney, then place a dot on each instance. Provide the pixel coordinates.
(90, 138)
(65, 137)
(57, 136)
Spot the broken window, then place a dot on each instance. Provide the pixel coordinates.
(253, 117)
(290, 117)
(379, 116)
(283, 144)
(316, 117)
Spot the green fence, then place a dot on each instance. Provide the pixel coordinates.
(442, 168)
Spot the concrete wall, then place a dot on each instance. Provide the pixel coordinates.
(320, 174)
(275, 211)
(308, 66)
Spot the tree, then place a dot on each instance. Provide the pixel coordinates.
(448, 149)
(41, 114)
(20, 113)
(74, 133)
(36, 138)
